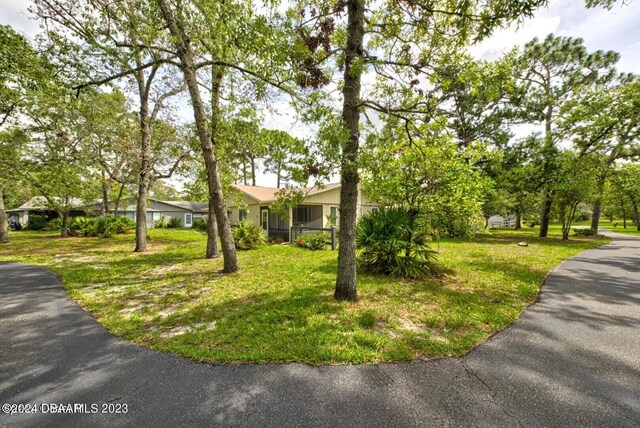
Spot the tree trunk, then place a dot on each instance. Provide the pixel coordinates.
(186, 56)
(518, 220)
(545, 215)
(597, 204)
(64, 232)
(253, 171)
(4, 222)
(346, 278)
(106, 188)
(635, 212)
(486, 223)
(116, 205)
(144, 181)
(212, 228)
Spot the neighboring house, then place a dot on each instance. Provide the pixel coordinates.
(498, 221)
(186, 212)
(319, 208)
(38, 206)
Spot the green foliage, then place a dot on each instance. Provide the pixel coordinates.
(200, 224)
(161, 223)
(107, 226)
(312, 241)
(37, 222)
(174, 222)
(430, 175)
(248, 236)
(582, 231)
(394, 241)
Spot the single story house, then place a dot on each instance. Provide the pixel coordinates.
(38, 206)
(186, 212)
(319, 208)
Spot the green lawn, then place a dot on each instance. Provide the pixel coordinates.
(279, 307)
(615, 226)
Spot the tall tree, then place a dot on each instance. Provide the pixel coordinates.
(605, 121)
(551, 72)
(107, 41)
(176, 25)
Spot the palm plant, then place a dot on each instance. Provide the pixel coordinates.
(248, 236)
(394, 241)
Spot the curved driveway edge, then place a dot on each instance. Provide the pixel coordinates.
(572, 359)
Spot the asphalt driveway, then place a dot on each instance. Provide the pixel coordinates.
(572, 359)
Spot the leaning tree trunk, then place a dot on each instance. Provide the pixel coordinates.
(4, 223)
(186, 56)
(145, 168)
(212, 228)
(346, 278)
(116, 204)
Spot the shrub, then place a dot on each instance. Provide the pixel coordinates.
(393, 241)
(581, 231)
(160, 224)
(174, 222)
(248, 236)
(312, 241)
(107, 226)
(75, 225)
(200, 224)
(37, 222)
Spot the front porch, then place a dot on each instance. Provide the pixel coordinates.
(278, 226)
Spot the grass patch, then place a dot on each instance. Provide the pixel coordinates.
(280, 306)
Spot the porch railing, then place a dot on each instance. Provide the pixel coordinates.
(296, 231)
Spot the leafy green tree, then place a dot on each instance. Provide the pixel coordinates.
(573, 184)
(551, 73)
(22, 70)
(103, 41)
(605, 121)
(429, 176)
(625, 180)
(399, 43)
(284, 155)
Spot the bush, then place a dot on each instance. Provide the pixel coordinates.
(75, 225)
(393, 241)
(200, 224)
(107, 226)
(581, 231)
(248, 236)
(312, 241)
(37, 222)
(174, 222)
(160, 224)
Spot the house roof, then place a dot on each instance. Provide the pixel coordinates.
(268, 194)
(40, 203)
(188, 205)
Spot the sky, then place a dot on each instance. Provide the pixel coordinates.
(617, 29)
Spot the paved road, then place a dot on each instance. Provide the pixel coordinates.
(573, 359)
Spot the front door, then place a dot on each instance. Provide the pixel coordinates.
(264, 219)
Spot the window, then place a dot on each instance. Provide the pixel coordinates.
(230, 215)
(188, 220)
(264, 219)
(333, 216)
(156, 216)
(242, 215)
